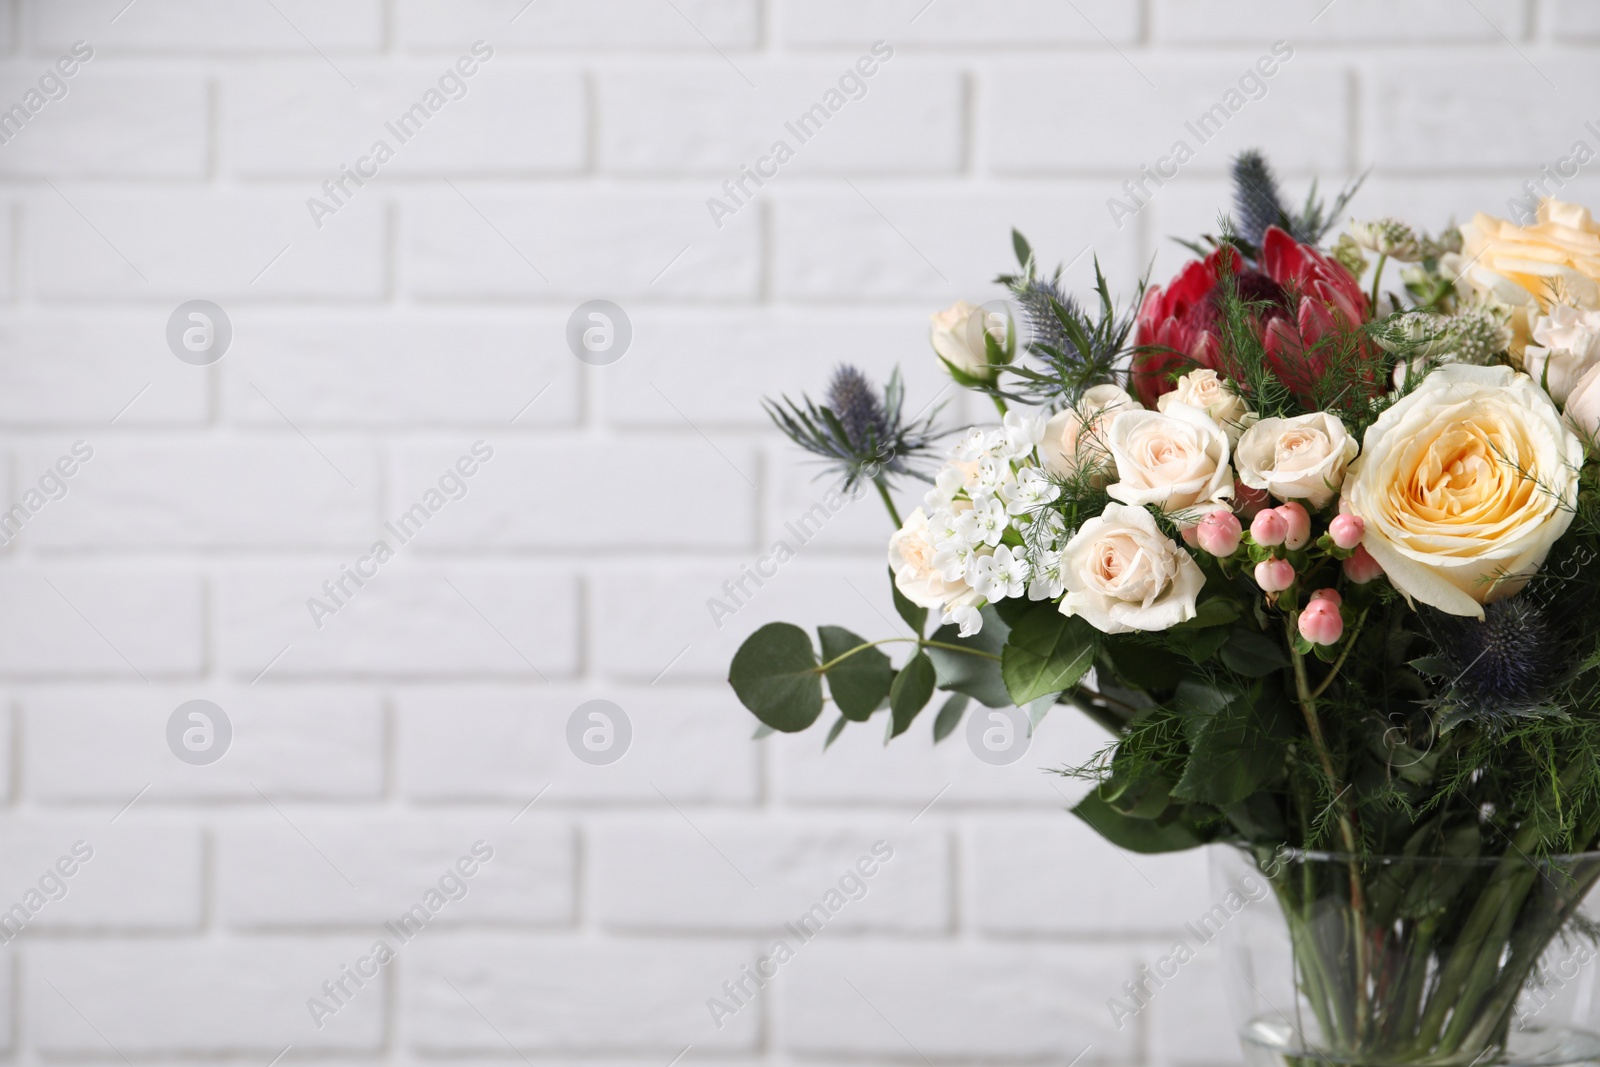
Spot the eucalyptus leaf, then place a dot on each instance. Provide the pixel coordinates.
(775, 675)
(834, 732)
(913, 688)
(915, 617)
(950, 716)
(859, 682)
(978, 676)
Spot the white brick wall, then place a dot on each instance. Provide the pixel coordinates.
(427, 313)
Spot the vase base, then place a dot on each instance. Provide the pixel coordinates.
(1272, 1042)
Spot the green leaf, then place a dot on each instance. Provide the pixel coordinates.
(976, 676)
(913, 688)
(858, 684)
(915, 617)
(950, 716)
(762, 731)
(1253, 655)
(1046, 653)
(1218, 611)
(774, 674)
(833, 734)
(1140, 663)
(1135, 834)
(1237, 743)
(1020, 244)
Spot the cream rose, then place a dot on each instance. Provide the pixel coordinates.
(1521, 267)
(1582, 409)
(1299, 458)
(1210, 392)
(958, 333)
(911, 551)
(1176, 459)
(1464, 485)
(1074, 438)
(1122, 574)
(1566, 344)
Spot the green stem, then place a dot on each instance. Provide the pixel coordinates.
(922, 642)
(888, 502)
(1377, 276)
(1351, 643)
(1000, 403)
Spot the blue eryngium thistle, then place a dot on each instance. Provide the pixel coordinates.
(1255, 196)
(858, 434)
(1501, 667)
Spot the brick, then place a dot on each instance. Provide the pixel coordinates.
(508, 502)
(960, 24)
(548, 995)
(99, 621)
(214, 245)
(282, 121)
(712, 384)
(1416, 116)
(1301, 114)
(468, 744)
(202, 26)
(953, 1001)
(134, 877)
(7, 17)
(107, 125)
(601, 24)
(861, 528)
(183, 493)
(409, 369)
(1316, 22)
(86, 369)
(1568, 20)
(267, 875)
(289, 743)
(7, 242)
(175, 998)
(408, 621)
(645, 246)
(1025, 876)
(1191, 1018)
(661, 874)
(700, 120)
(884, 242)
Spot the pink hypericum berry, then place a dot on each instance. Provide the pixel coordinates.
(1321, 623)
(1274, 575)
(1361, 568)
(1347, 530)
(1190, 534)
(1328, 594)
(1269, 528)
(1219, 533)
(1297, 525)
(1247, 501)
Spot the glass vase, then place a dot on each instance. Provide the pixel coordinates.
(1410, 960)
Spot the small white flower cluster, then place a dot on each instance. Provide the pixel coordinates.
(983, 532)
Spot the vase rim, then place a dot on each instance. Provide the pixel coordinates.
(1322, 856)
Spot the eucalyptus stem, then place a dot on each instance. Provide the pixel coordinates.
(888, 501)
(922, 642)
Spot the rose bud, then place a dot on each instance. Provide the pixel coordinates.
(1328, 594)
(1347, 530)
(1247, 501)
(1361, 568)
(1274, 575)
(1321, 623)
(1269, 528)
(1219, 533)
(1297, 525)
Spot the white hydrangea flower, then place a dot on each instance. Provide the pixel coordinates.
(986, 522)
(1002, 575)
(1029, 492)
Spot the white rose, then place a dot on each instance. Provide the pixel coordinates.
(1122, 574)
(1210, 392)
(1176, 459)
(1299, 458)
(1566, 344)
(911, 552)
(1074, 438)
(1464, 485)
(958, 333)
(1582, 410)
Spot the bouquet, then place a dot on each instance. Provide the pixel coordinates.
(1315, 541)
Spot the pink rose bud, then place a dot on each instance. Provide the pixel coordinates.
(1219, 533)
(1328, 594)
(1347, 530)
(1274, 575)
(1269, 528)
(1361, 568)
(1247, 501)
(1297, 525)
(1321, 623)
